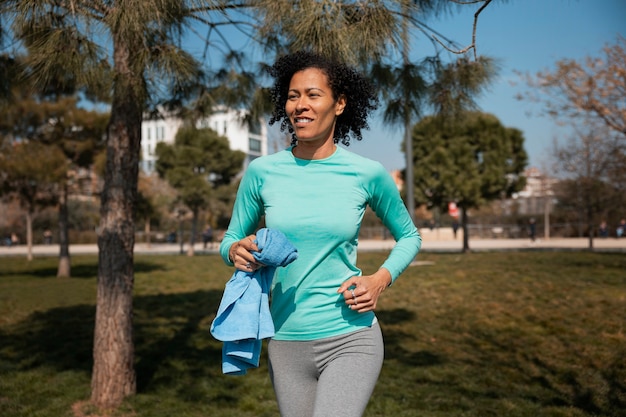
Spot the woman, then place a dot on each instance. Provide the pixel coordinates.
(327, 352)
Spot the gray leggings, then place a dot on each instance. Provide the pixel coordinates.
(329, 377)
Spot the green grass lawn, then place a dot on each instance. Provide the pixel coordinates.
(480, 334)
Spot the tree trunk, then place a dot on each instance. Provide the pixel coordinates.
(64, 270)
(181, 237)
(546, 218)
(29, 235)
(147, 232)
(590, 226)
(114, 376)
(464, 221)
(194, 229)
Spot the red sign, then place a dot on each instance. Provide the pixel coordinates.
(453, 210)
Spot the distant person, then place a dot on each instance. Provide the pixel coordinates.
(532, 229)
(327, 351)
(207, 237)
(603, 230)
(14, 239)
(47, 237)
(455, 227)
(621, 229)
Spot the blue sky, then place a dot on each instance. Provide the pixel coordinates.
(526, 36)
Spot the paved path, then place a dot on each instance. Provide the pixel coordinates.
(481, 245)
(430, 244)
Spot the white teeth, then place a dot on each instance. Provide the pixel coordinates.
(303, 120)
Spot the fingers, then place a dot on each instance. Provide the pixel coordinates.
(360, 293)
(352, 282)
(356, 299)
(240, 254)
(360, 302)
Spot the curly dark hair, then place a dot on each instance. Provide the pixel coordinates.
(342, 79)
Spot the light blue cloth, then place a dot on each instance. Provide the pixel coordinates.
(243, 318)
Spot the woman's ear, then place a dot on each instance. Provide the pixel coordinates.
(340, 105)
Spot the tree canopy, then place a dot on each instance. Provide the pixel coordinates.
(52, 117)
(198, 162)
(31, 173)
(469, 160)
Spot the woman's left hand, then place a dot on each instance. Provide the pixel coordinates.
(361, 292)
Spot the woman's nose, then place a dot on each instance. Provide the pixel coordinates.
(301, 105)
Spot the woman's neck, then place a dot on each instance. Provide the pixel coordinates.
(309, 150)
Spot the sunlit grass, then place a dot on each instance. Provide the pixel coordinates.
(480, 334)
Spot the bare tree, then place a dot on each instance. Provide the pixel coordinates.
(591, 164)
(587, 96)
(578, 92)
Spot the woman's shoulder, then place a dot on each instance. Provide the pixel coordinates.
(359, 161)
(270, 159)
(372, 173)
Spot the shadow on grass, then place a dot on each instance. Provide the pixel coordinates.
(82, 270)
(59, 338)
(172, 333)
(560, 375)
(395, 338)
(485, 366)
(173, 345)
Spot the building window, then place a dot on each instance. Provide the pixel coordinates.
(255, 126)
(254, 145)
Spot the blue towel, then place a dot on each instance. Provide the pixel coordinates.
(243, 318)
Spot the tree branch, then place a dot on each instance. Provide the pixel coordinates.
(474, 26)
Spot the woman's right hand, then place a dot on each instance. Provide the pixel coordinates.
(240, 254)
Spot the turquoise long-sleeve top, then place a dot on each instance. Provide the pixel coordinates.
(318, 205)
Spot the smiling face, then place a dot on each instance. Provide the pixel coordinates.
(311, 106)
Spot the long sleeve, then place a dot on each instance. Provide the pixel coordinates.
(386, 202)
(247, 211)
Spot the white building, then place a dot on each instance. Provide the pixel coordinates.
(226, 122)
(538, 193)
